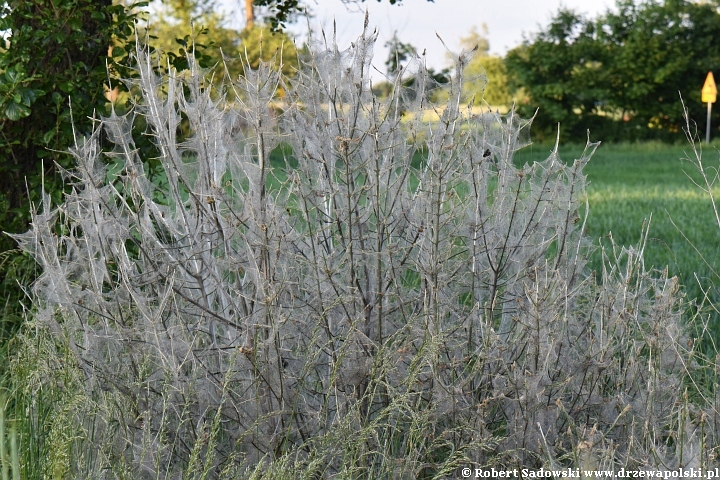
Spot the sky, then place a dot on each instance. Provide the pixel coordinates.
(417, 22)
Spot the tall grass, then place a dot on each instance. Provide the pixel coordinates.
(361, 312)
(9, 456)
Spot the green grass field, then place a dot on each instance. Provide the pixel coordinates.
(630, 182)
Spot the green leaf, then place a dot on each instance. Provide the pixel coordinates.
(12, 76)
(48, 136)
(75, 23)
(66, 87)
(29, 95)
(120, 10)
(15, 111)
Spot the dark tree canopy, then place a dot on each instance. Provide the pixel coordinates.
(619, 75)
(55, 51)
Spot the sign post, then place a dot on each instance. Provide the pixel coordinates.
(709, 95)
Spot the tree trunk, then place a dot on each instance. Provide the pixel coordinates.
(249, 14)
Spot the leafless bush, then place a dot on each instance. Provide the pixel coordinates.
(396, 300)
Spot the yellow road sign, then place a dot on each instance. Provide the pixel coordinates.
(709, 91)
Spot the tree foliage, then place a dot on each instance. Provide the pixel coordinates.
(55, 51)
(200, 23)
(280, 12)
(619, 74)
(53, 75)
(486, 74)
(403, 63)
(262, 44)
(399, 53)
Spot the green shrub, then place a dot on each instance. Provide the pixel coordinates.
(54, 68)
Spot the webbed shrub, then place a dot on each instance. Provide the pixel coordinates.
(393, 299)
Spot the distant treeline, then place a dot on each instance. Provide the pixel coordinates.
(620, 75)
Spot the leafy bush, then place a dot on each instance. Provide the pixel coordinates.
(391, 298)
(51, 52)
(44, 62)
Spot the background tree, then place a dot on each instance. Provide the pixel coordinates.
(398, 55)
(278, 13)
(619, 75)
(654, 51)
(560, 73)
(261, 43)
(399, 69)
(486, 74)
(181, 24)
(201, 21)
